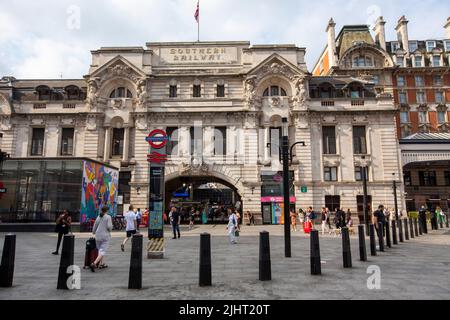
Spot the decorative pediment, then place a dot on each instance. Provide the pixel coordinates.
(119, 67)
(275, 65)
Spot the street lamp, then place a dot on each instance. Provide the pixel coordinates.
(364, 179)
(394, 186)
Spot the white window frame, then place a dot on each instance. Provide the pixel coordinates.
(442, 95)
(415, 61)
(441, 81)
(447, 45)
(422, 93)
(426, 117)
(395, 45)
(411, 43)
(445, 115)
(432, 60)
(402, 59)
(404, 81)
(400, 94)
(422, 84)
(429, 42)
(407, 117)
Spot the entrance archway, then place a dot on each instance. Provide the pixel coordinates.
(187, 192)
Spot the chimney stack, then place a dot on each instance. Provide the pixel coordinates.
(332, 42)
(447, 28)
(402, 33)
(380, 33)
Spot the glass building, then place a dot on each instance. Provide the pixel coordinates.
(37, 190)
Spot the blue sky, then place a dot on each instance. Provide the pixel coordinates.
(44, 39)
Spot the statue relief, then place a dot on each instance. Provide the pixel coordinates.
(142, 91)
(92, 95)
(250, 91)
(301, 91)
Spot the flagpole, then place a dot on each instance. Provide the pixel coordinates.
(198, 22)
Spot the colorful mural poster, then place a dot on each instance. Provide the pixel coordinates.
(99, 188)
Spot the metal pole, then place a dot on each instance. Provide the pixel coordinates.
(395, 200)
(366, 213)
(287, 230)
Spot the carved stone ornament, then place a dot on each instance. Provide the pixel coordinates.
(5, 123)
(250, 91)
(5, 107)
(91, 123)
(301, 90)
(142, 91)
(117, 103)
(141, 122)
(120, 71)
(92, 94)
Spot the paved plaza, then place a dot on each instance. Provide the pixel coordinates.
(416, 269)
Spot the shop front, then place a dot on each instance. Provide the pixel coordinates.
(272, 200)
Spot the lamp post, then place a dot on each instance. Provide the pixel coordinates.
(394, 186)
(364, 179)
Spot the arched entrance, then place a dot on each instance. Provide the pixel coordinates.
(187, 192)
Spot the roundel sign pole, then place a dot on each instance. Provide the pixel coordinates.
(157, 139)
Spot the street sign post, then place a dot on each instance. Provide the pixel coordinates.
(157, 139)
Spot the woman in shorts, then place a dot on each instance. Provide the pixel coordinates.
(102, 232)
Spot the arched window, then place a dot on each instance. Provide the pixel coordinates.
(362, 61)
(73, 93)
(44, 93)
(274, 91)
(121, 92)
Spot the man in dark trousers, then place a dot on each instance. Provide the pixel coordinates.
(423, 219)
(175, 220)
(378, 216)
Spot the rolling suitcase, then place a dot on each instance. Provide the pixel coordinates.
(91, 252)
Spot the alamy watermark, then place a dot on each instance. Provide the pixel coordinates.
(374, 280)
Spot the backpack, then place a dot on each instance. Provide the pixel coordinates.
(313, 215)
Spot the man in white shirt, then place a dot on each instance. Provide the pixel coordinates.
(130, 218)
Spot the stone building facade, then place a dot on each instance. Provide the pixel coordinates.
(222, 103)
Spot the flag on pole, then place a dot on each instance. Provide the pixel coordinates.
(197, 12)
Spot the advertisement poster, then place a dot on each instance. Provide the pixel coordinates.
(156, 220)
(277, 213)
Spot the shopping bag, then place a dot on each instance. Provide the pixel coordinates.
(236, 233)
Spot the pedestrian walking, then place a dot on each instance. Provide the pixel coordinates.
(293, 217)
(440, 215)
(138, 218)
(102, 232)
(191, 219)
(378, 216)
(423, 219)
(238, 216)
(251, 218)
(205, 215)
(175, 220)
(434, 219)
(131, 221)
(328, 213)
(324, 220)
(63, 224)
(232, 228)
(238, 206)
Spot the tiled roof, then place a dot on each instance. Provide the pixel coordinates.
(427, 137)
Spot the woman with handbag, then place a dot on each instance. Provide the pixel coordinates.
(232, 227)
(62, 227)
(102, 232)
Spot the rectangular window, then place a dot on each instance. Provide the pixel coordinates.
(197, 93)
(276, 141)
(220, 141)
(400, 61)
(407, 178)
(412, 46)
(329, 140)
(441, 116)
(332, 202)
(37, 142)
(330, 173)
(220, 91)
(437, 80)
(401, 81)
(418, 61)
(395, 46)
(447, 178)
(117, 141)
(420, 97)
(427, 178)
(173, 91)
(67, 141)
(359, 140)
(196, 134)
(376, 79)
(359, 173)
(274, 91)
(439, 97)
(431, 45)
(423, 117)
(447, 45)
(405, 132)
(402, 97)
(172, 144)
(404, 117)
(436, 61)
(419, 81)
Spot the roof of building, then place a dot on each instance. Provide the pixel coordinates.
(427, 138)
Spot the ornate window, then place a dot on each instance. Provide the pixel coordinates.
(37, 142)
(362, 61)
(431, 45)
(121, 92)
(419, 81)
(436, 61)
(274, 91)
(418, 61)
(44, 93)
(330, 173)
(73, 93)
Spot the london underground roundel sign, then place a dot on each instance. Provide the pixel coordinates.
(157, 139)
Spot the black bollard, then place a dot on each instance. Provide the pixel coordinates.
(8, 257)
(373, 246)
(400, 230)
(265, 269)
(420, 227)
(394, 232)
(446, 221)
(388, 235)
(66, 261)
(416, 230)
(405, 222)
(380, 236)
(316, 268)
(346, 250)
(362, 243)
(135, 276)
(205, 260)
(411, 228)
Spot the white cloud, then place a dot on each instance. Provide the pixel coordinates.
(36, 42)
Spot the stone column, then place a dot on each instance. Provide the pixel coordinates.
(126, 143)
(266, 141)
(107, 150)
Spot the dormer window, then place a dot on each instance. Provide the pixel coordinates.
(395, 46)
(399, 61)
(431, 45)
(362, 61)
(121, 92)
(44, 93)
(413, 46)
(418, 61)
(447, 45)
(274, 91)
(436, 61)
(73, 93)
